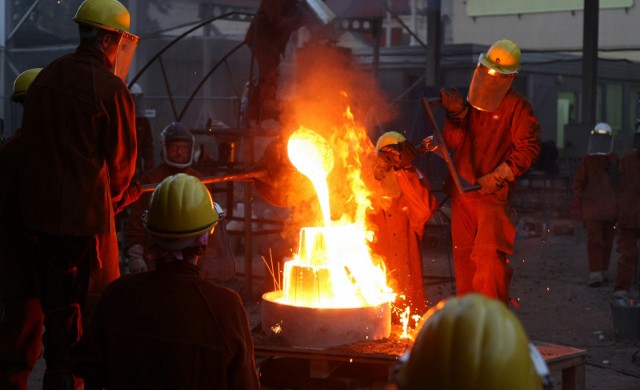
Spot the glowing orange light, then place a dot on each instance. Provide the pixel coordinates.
(334, 266)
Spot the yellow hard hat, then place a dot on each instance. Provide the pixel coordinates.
(472, 343)
(22, 83)
(389, 138)
(180, 207)
(503, 56)
(104, 14)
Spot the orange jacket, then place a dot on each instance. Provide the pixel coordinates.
(78, 146)
(594, 189)
(483, 140)
(629, 196)
(167, 329)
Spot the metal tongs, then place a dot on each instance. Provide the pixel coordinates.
(440, 148)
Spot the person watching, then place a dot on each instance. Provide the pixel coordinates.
(170, 328)
(178, 146)
(78, 157)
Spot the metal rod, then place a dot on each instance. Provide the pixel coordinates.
(437, 136)
(179, 37)
(244, 176)
(24, 17)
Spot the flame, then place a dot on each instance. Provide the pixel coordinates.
(334, 266)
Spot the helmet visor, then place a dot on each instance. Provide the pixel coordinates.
(488, 88)
(179, 153)
(126, 50)
(600, 144)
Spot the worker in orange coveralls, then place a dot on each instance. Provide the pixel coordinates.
(495, 138)
(21, 317)
(170, 328)
(405, 205)
(628, 219)
(78, 158)
(178, 148)
(594, 200)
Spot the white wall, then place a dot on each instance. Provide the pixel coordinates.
(560, 30)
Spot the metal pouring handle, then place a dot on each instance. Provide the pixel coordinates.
(217, 179)
(437, 136)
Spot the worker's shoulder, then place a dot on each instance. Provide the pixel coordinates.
(220, 293)
(514, 97)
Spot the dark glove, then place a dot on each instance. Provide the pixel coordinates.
(399, 156)
(494, 181)
(131, 194)
(455, 105)
(381, 168)
(428, 145)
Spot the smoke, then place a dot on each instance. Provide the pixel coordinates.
(333, 96)
(326, 81)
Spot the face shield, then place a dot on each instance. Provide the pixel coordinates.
(126, 49)
(178, 153)
(600, 143)
(488, 87)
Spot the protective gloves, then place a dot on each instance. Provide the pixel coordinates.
(398, 156)
(495, 180)
(381, 167)
(428, 145)
(136, 259)
(455, 105)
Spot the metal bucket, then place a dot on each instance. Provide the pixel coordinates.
(309, 327)
(626, 321)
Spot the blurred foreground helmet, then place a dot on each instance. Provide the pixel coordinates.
(600, 140)
(111, 15)
(180, 208)
(471, 342)
(494, 73)
(22, 83)
(178, 145)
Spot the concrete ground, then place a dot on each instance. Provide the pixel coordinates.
(556, 305)
(549, 284)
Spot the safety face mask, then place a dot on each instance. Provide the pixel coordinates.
(600, 144)
(126, 49)
(488, 88)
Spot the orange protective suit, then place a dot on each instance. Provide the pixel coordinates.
(628, 221)
(399, 221)
(482, 230)
(78, 157)
(594, 202)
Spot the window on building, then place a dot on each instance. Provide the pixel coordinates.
(613, 105)
(566, 114)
